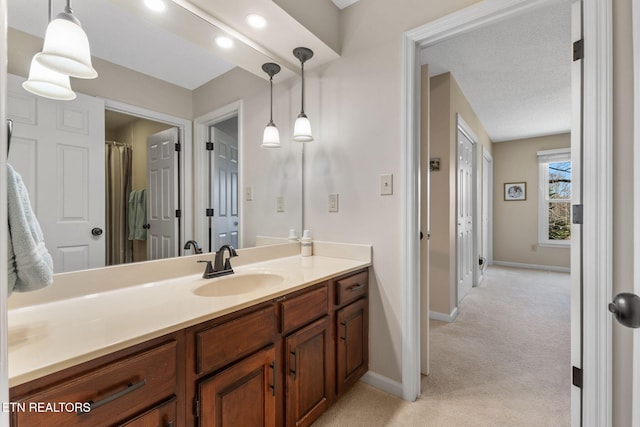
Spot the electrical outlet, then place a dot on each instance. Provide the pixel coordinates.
(386, 184)
(333, 202)
(280, 204)
(248, 193)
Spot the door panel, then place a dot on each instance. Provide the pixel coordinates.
(58, 148)
(161, 194)
(225, 188)
(465, 262)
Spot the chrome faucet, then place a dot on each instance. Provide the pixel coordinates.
(196, 248)
(221, 266)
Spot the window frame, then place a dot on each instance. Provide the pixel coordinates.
(544, 158)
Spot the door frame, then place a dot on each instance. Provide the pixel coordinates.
(201, 128)
(487, 199)
(185, 135)
(597, 185)
(635, 402)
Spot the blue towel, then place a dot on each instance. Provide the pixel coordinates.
(137, 214)
(30, 264)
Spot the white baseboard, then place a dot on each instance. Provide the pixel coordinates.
(533, 266)
(444, 317)
(383, 383)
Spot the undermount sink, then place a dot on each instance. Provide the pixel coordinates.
(237, 284)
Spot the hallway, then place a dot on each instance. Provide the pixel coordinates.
(505, 361)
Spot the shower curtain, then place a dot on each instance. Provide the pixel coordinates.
(118, 162)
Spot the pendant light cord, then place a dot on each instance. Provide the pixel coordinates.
(271, 99)
(68, 8)
(302, 67)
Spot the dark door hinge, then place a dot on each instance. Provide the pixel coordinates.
(578, 49)
(178, 146)
(209, 212)
(209, 146)
(577, 377)
(196, 407)
(577, 214)
(178, 213)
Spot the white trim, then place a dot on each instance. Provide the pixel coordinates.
(186, 138)
(489, 200)
(635, 402)
(382, 383)
(200, 168)
(597, 201)
(449, 318)
(597, 274)
(533, 266)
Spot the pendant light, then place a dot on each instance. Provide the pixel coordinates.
(271, 136)
(66, 47)
(48, 83)
(302, 126)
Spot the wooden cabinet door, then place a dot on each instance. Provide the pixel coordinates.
(241, 395)
(352, 344)
(307, 362)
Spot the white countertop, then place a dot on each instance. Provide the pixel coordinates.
(47, 338)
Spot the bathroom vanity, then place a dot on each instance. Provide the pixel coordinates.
(278, 356)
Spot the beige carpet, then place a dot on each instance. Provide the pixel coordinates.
(505, 361)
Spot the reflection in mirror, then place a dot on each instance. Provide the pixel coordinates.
(121, 158)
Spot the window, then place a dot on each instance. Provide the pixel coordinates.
(554, 212)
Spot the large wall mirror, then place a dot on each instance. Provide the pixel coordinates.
(125, 172)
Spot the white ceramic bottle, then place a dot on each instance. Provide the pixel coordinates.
(306, 244)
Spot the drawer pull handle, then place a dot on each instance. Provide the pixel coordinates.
(356, 287)
(273, 386)
(131, 387)
(345, 331)
(294, 371)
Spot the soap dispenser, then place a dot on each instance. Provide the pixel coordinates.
(306, 244)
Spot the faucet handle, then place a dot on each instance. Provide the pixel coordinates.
(208, 271)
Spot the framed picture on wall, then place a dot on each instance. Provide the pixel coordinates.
(515, 191)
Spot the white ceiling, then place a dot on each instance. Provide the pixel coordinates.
(516, 74)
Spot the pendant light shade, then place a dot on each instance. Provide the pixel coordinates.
(66, 47)
(302, 126)
(271, 136)
(48, 83)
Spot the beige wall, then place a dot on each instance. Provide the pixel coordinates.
(447, 101)
(515, 236)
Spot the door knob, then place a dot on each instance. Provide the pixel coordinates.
(146, 226)
(626, 308)
(97, 231)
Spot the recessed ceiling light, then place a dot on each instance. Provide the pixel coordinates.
(256, 21)
(156, 5)
(224, 42)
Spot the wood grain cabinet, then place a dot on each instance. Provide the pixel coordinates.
(115, 392)
(352, 330)
(277, 363)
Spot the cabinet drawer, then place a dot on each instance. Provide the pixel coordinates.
(303, 309)
(111, 393)
(351, 288)
(222, 344)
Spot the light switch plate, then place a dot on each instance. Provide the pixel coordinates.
(248, 193)
(280, 204)
(333, 202)
(386, 184)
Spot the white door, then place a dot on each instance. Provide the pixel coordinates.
(465, 200)
(225, 189)
(58, 148)
(162, 224)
